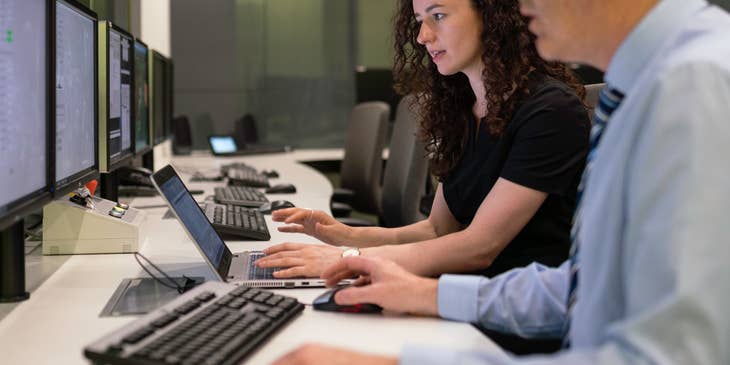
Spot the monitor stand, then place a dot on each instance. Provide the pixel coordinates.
(110, 186)
(12, 264)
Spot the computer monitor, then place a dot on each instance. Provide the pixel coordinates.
(76, 147)
(159, 69)
(116, 66)
(25, 107)
(142, 140)
(376, 84)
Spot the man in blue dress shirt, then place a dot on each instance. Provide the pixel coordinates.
(653, 274)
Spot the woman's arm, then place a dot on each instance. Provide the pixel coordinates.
(501, 216)
(440, 222)
(327, 229)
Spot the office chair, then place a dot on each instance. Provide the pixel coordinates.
(404, 178)
(362, 164)
(182, 142)
(245, 130)
(592, 92)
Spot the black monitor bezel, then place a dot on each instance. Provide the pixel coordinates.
(155, 138)
(169, 94)
(68, 184)
(134, 111)
(15, 210)
(126, 156)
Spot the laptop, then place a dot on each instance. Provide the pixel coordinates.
(226, 146)
(231, 267)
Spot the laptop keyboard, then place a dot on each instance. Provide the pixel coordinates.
(240, 195)
(259, 273)
(237, 220)
(247, 176)
(214, 323)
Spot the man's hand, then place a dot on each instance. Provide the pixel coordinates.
(300, 259)
(315, 223)
(325, 355)
(384, 283)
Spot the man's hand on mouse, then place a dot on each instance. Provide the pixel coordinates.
(299, 259)
(315, 223)
(384, 283)
(312, 354)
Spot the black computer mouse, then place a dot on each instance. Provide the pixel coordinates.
(281, 189)
(269, 207)
(326, 302)
(270, 173)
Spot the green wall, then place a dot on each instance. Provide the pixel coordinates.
(375, 33)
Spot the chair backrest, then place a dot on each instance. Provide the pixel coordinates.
(404, 179)
(245, 130)
(592, 92)
(362, 165)
(182, 142)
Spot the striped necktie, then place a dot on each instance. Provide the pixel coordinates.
(609, 99)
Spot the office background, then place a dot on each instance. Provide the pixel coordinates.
(289, 63)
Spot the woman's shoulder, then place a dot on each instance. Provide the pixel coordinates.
(551, 99)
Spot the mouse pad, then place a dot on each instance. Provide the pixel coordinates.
(138, 296)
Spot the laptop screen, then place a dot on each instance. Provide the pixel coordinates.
(223, 144)
(193, 218)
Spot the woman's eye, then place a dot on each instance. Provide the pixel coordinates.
(438, 16)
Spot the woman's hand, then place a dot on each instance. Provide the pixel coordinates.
(324, 355)
(384, 283)
(299, 259)
(315, 223)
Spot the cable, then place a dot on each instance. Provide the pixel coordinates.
(189, 283)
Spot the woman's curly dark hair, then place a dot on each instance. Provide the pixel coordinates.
(445, 102)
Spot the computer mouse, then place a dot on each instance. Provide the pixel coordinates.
(281, 189)
(269, 207)
(326, 302)
(270, 173)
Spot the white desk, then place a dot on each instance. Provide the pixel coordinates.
(61, 316)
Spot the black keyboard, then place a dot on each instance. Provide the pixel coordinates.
(247, 176)
(237, 220)
(240, 195)
(214, 323)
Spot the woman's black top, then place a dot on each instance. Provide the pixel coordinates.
(543, 147)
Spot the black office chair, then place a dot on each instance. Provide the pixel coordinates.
(245, 130)
(362, 164)
(592, 93)
(182, 142)
(405, 172)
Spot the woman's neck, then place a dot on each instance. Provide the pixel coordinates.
(479, 109)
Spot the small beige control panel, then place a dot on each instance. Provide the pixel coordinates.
(99, 226)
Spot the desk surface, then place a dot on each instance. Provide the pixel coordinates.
(62, 314)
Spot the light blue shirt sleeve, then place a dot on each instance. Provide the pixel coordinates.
(529, 302)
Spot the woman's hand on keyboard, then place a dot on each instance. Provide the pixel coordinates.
(384, 283)
(299, 259)
(315, 223)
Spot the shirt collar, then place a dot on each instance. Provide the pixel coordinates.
(636, 51)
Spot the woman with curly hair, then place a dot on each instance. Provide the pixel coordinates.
(507, 135)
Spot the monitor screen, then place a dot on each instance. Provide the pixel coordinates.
(75, 93)
(119, 125)
(158, 97)
(222, 144)
(23, 101)
(141, 98)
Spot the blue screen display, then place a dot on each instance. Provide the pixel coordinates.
(223, 144)
(193, 219)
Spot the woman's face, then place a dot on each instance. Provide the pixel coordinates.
(450, 31)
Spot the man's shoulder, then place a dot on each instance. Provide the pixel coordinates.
(705, 40)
